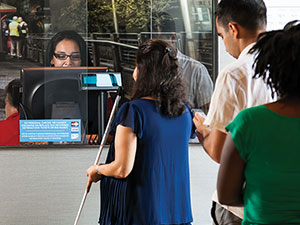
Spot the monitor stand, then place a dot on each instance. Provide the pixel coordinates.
(102, 98)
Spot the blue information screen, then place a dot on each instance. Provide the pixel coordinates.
(50, 130)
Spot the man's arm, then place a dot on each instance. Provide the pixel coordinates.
(212, 139)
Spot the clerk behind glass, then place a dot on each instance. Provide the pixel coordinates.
(66, 49)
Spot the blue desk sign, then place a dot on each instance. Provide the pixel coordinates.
(101, 81)
(50, 130)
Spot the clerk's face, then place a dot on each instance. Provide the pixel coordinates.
(67, 54)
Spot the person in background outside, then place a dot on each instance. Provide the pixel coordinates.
(67, 49)
(195, 74)
(260, 159)
(145, 179)
(238, 23)
(5, 33)
(14, 33)
(23, 34)
(9, 128)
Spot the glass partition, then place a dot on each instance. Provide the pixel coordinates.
(112, 31)
(130, 22)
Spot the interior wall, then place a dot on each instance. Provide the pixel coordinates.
(44, 186)
(278, 14)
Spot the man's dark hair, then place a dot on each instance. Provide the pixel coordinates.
(278, 60)
(250, 14)
(12, 92)
(69, 35)
(159, 77)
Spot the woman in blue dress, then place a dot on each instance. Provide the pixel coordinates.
(145, 180)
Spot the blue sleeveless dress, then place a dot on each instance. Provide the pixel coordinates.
(157, 191)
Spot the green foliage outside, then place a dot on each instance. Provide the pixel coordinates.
(132, 15)
(75, 15)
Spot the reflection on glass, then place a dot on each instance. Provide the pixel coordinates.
(132, 22)
(113, 30)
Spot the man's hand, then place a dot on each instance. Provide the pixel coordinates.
(202, 130)
(212, 139)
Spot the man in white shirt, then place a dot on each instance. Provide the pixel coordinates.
(238, 24)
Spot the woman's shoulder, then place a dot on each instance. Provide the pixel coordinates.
(253, 111)
(250, 114)
(148, 106)
(252, 117)
(247, 118)
(139, 104)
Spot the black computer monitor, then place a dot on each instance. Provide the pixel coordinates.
(55, 93)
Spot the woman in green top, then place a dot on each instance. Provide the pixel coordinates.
(260, 166)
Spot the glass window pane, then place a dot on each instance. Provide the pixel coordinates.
(113, 30)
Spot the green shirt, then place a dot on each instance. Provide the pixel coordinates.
(270, 146)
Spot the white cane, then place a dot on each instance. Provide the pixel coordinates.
(103, 141)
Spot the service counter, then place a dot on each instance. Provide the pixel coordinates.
(45, 184)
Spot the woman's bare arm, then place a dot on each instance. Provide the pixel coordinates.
(231, 175)
(125, 149)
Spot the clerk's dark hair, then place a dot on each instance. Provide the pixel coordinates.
(159, 77)
(68, 35)
(12, 92)
(278, 60)
(250, 14)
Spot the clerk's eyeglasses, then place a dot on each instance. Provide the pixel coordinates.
(63, 56)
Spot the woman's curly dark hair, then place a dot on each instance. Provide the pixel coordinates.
(278, 60)
(159, 77)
